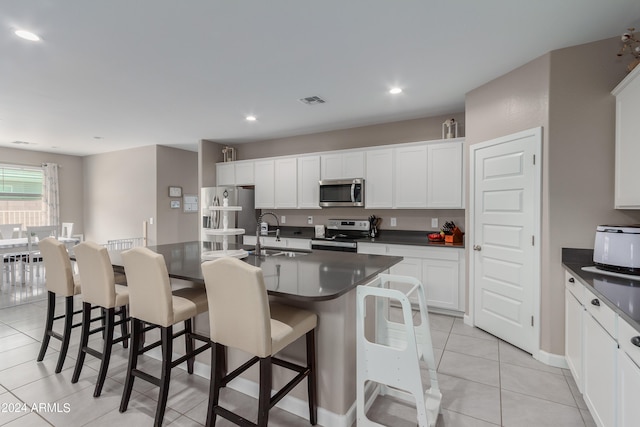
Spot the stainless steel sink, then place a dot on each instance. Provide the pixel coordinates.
(279, 253)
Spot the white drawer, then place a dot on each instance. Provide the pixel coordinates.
(625, 334)
(573, 286)
(605, 316)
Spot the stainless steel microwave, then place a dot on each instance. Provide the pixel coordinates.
(341, 192)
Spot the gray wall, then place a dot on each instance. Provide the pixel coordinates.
(70, 177)
(176, 167)
(567, 92)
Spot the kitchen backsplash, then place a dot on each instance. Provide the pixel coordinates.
(406, 219)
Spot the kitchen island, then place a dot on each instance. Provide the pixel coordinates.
(321, 281)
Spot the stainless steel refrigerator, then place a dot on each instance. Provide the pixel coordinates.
(238, 196)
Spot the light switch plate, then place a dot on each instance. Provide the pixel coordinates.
(393, 222)
(283, 219)
(434, 222)
(310, 220)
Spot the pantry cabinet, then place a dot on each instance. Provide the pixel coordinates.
(627, 173)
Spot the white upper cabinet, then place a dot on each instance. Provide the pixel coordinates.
(286, 183)
(264, 184)
(244, 173)
(627, 174)
(342, 165)
(410, 176)
(225, 174)
(444, 175)
(378, 183)
(308, 177)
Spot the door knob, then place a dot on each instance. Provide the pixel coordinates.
(477, 247)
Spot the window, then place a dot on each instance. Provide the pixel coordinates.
(21, 196)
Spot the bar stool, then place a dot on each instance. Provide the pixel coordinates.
(241, 317)
(59, 281)
(99, 291)
(152, 302)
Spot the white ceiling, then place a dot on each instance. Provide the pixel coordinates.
(172, 72)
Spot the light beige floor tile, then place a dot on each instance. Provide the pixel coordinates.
(56, 387)
(141, 411)
(185, 421)
(453, 419)
(14, 341)
(392, 412)
(536, 383)
(470, 398)
(185, 391)
(441, 322)
(519, 410)
(439, 339)
(479, 347)
(461, 329)
(576, 393)
(470, 368)
(27, 372)
(515, 356)
(6, 330)
(19, 355)
(32, 419)
(13, 408)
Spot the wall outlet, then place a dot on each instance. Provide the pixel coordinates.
(151, 221)
(310, 220)
(283, 219)
(394, 223)
(434, 222)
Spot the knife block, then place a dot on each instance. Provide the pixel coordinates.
(454, 237)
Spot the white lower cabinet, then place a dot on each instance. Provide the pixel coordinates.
(574, 315)
(600, 357)
(441, 271)
(628, 391)
(271, 242)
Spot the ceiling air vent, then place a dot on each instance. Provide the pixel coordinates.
(312, 100)
(20, 142)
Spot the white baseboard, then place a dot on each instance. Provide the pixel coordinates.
(555, 360)
(467, 320)
(288, 403)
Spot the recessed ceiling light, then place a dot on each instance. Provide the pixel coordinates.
(27, 35)
(251, 118)
(395, 90)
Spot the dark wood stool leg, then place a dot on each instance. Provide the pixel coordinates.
(84, 341)
(136, 334)
(124, 328)
(189, 344)
(165, 376)
(48, 327)
(214, 384)
(66, 335)
(264, 400)
(106, 350)
(311, 379)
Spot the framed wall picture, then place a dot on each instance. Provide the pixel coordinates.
(175, 204)
(190, 203)
(175, 191)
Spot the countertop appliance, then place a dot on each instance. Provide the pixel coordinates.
(342, 235)
(238, 196)
(341, 192)
(617, 248)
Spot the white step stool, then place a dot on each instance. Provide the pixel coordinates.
(393, 360)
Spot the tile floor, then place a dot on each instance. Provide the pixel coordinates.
(484, 382)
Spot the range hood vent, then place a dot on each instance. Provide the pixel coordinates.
(312, 100)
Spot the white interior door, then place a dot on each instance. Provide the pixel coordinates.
(506, 229)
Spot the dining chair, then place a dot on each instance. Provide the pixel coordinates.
(242, 317)
(152, 302)
(33, 257)
(99, 290)
(59, 282)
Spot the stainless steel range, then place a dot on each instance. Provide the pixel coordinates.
(342, 235)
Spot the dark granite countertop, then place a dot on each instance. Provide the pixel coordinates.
(308, 276)
(389, 237)
(620, 294)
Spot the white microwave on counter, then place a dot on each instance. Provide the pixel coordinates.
(342, 192)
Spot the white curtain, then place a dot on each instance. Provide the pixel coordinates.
(50, 193)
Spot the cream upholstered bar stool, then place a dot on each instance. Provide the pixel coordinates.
(99, 290)
(151, 301)
(241, 317)
(59, 281)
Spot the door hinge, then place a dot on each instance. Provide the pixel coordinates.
(531, 320)
(533, 240)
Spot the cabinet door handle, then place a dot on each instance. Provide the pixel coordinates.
(595, 302)
(572, 280)
(635, 341)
